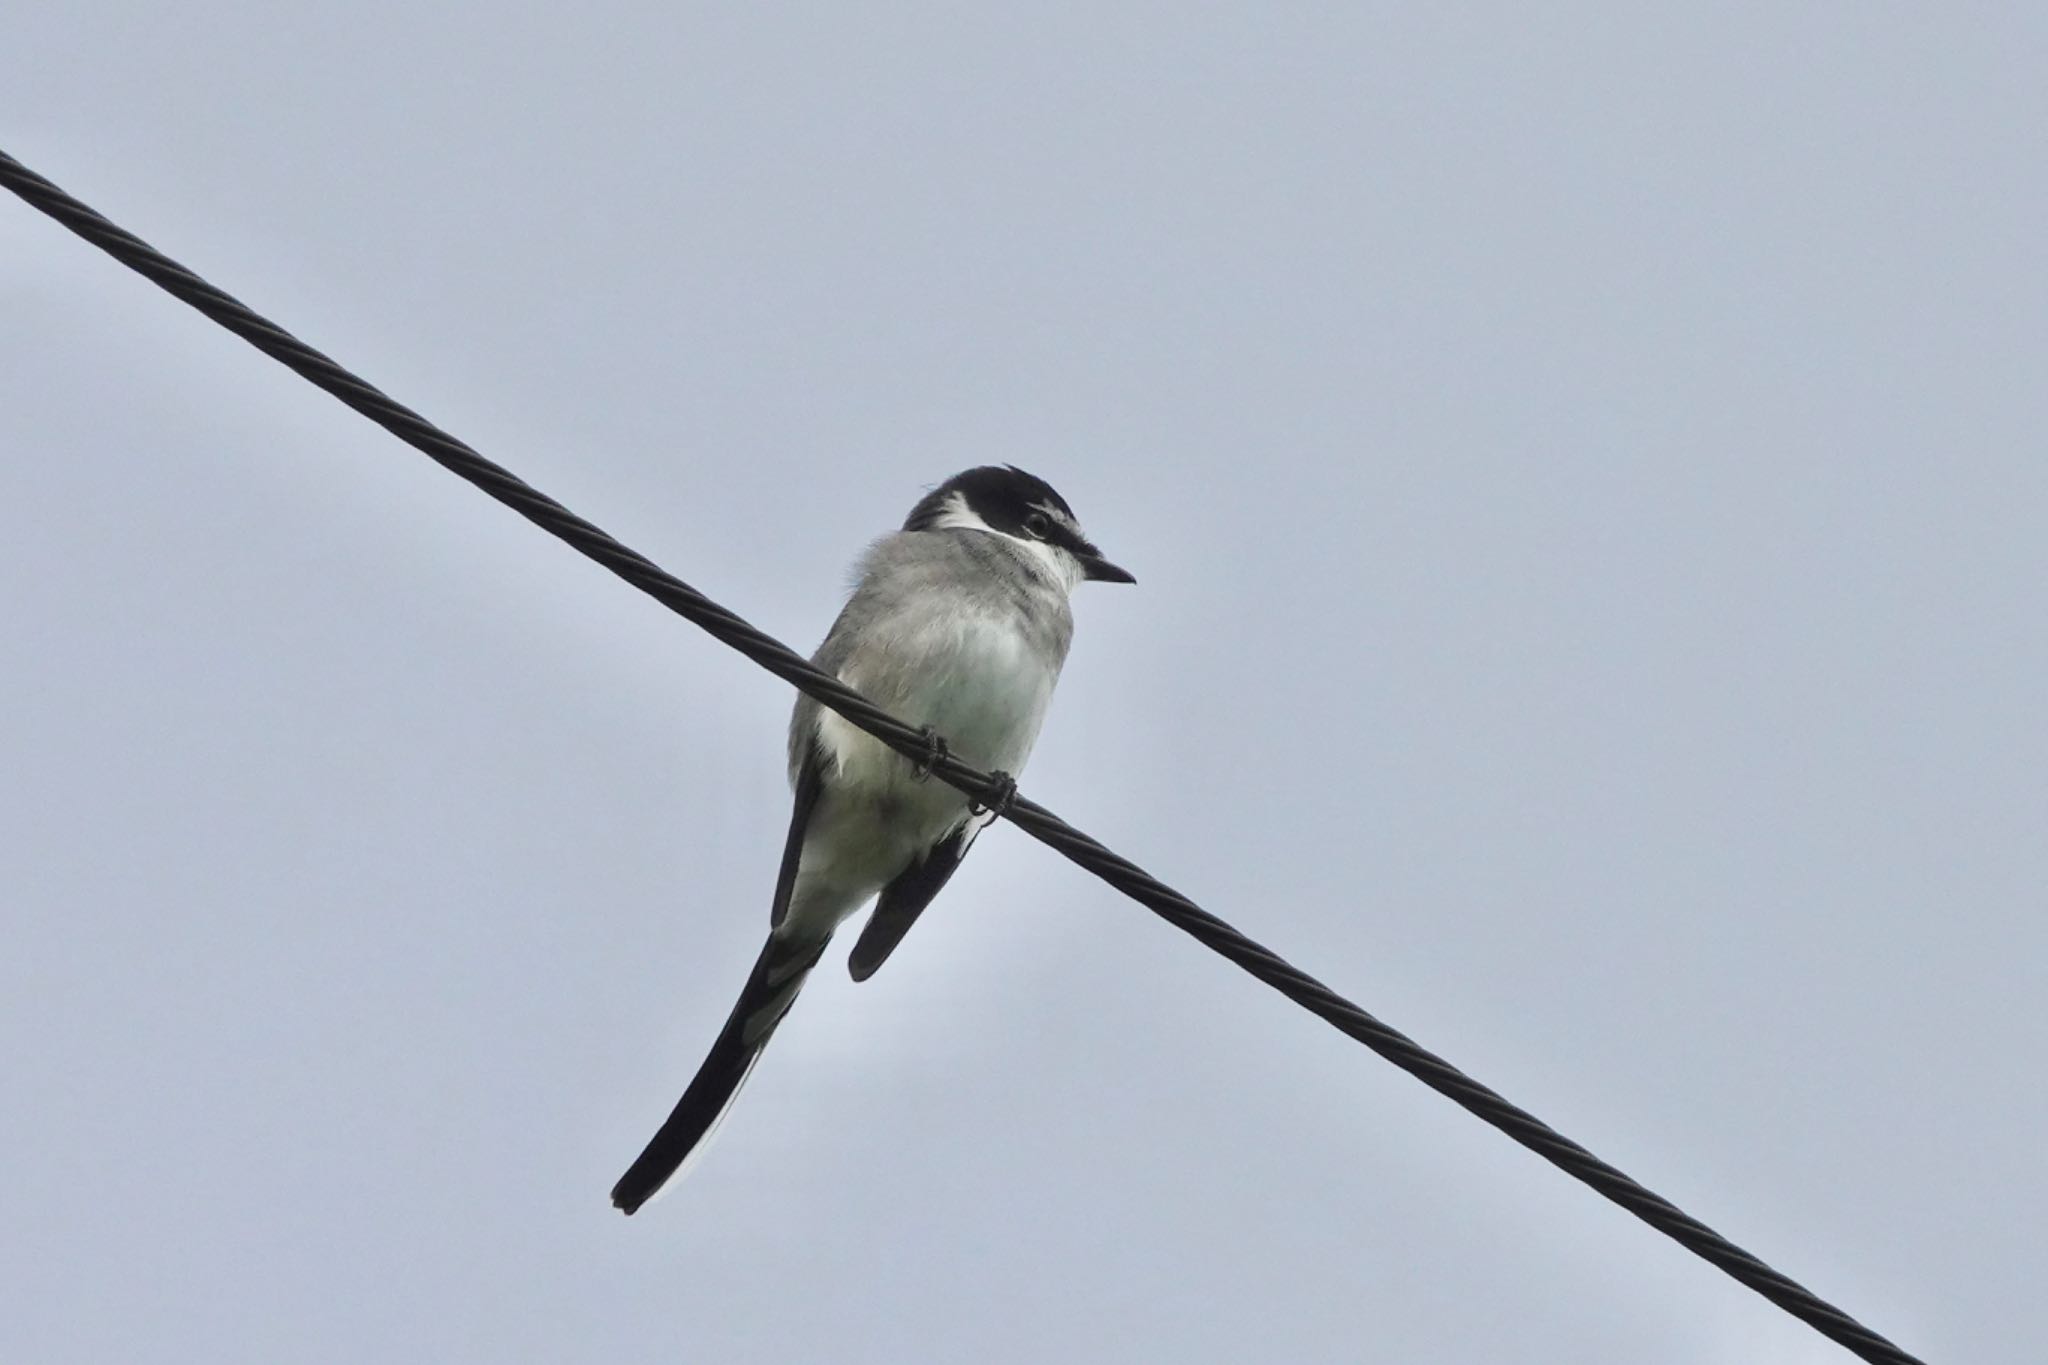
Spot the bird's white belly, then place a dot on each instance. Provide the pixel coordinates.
(985, 691)
(988, 698)
(979, 684)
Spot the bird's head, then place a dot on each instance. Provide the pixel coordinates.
(1006, 501)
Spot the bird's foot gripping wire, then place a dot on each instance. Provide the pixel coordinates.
(999, 799)
(935, 752)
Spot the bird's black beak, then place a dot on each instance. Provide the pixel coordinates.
(1100, 570)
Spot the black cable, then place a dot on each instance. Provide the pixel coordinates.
(1040, 823)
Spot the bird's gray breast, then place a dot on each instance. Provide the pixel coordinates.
(949, 629)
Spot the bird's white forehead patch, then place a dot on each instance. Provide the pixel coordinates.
(1054, 511)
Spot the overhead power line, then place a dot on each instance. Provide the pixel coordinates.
(1126, 876)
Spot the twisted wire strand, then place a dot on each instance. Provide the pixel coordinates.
(1041, 823)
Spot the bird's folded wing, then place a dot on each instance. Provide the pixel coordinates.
(904, 899)
(809, 781)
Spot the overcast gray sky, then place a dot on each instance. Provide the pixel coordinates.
(1585, 474)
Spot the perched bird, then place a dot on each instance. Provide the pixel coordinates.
(958, 623)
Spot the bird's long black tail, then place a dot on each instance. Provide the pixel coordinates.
(777, 976)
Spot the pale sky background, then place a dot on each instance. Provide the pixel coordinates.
(1585, 472)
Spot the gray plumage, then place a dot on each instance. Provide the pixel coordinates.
(971, 573)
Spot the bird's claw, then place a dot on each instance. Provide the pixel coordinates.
(934, 753)
(999, 800)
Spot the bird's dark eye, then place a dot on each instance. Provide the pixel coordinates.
(1037, 524)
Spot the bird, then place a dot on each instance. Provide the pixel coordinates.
(958, 624)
